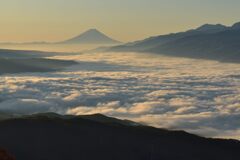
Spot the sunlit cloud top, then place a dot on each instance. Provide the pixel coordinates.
(125, 20)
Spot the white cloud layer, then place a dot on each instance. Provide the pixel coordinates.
(199, 96)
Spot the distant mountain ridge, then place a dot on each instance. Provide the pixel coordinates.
(92, 36)
(20, 61)
(211, 28)
(207, 41)
(50, 136)
(236, 26)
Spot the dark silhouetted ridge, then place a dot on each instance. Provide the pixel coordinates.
(55, 137)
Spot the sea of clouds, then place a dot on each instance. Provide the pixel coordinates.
(199, 96)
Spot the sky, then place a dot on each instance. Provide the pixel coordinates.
(124, 20)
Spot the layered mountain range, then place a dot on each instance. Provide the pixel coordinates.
(207, 41)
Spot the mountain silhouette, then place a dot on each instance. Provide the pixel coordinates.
(236, 26)
(92, 36)
(211, 28)
(217, 42)
(50, 136)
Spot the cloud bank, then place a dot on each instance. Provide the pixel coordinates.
(202, 97)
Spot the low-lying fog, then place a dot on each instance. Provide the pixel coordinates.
(199, 96)
(51, 47)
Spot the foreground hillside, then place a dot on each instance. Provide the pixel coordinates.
(55, 137)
